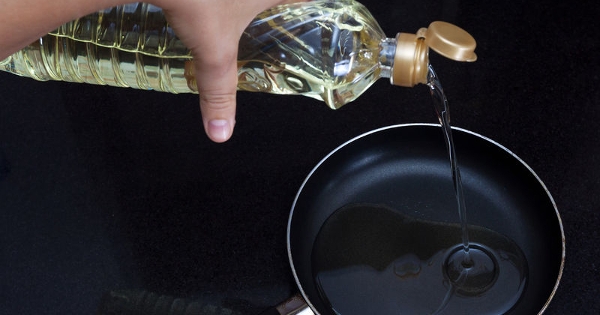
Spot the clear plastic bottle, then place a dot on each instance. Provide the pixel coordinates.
(329, 50)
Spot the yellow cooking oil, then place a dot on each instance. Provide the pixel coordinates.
(328, 50)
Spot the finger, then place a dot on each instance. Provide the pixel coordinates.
(215, 55)
(217, 82)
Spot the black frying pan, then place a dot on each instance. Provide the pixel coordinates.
(406, 167)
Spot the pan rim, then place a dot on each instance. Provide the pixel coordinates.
(318, 165)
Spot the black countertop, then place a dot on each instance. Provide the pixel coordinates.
(104, 188)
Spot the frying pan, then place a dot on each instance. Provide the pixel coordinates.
(406, 167)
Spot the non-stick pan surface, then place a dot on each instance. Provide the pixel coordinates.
(406, 167)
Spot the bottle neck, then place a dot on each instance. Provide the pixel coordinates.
(386, 56)
(404, 59)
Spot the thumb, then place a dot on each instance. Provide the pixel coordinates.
(215, 73)
(216, 78)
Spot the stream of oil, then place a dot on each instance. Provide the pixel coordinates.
(373, 259)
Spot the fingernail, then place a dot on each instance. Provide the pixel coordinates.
(219, 130)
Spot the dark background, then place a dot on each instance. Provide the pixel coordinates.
(104, 188)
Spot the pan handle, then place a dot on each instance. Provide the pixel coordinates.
(296, 305)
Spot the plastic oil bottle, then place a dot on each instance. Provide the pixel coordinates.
(328, 50)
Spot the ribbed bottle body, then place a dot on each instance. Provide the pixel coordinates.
(124, 46)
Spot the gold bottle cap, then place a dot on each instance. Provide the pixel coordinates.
(411, 59)
(450, 41)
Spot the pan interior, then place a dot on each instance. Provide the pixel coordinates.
(406, 168)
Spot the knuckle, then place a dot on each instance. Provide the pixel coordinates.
(216, 101)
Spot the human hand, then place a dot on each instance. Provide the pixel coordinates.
(212, 30)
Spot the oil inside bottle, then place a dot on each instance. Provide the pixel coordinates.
(372, 259)
(327, 50)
